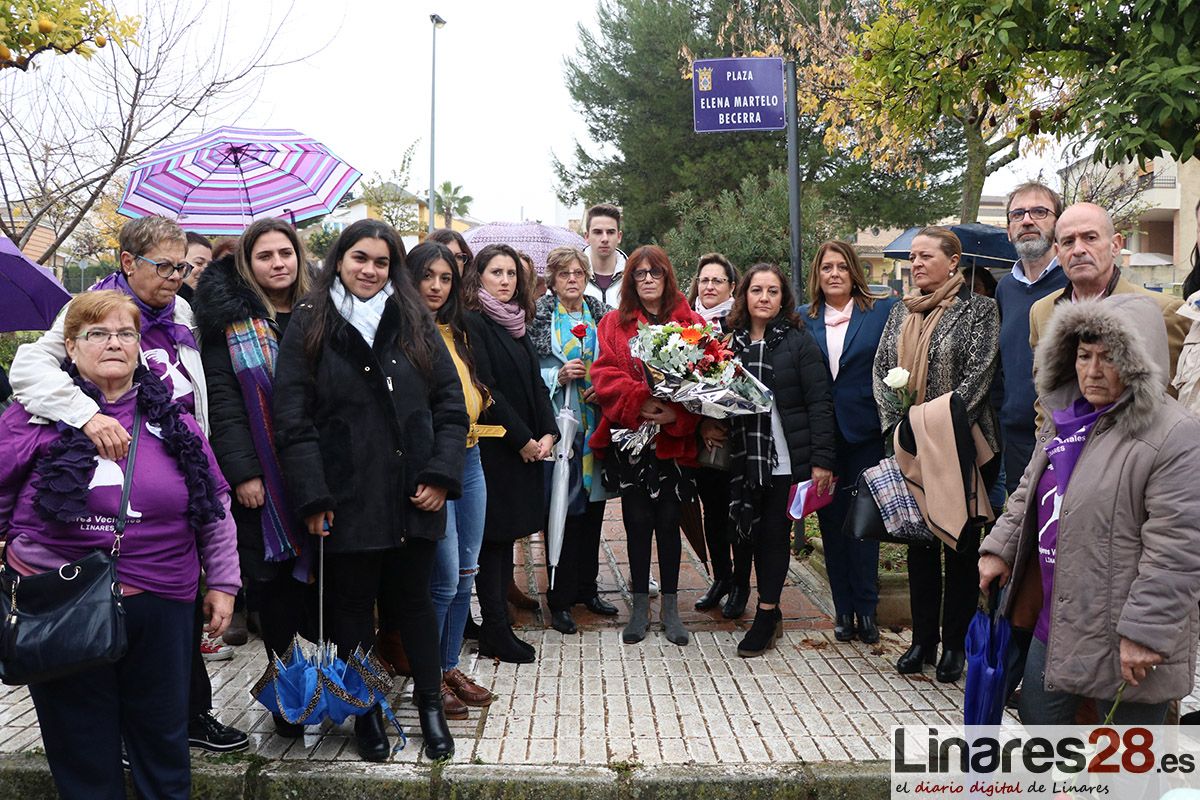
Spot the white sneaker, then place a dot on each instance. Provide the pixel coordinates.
(653, 587)
(214, 649)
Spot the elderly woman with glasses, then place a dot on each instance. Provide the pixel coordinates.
(60, 499)
(564, 336)
(152, 268)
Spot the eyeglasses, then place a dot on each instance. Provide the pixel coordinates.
(652, 272)
(462, 258)
(712, 281)
(1037, 212)
(577, 274)
(99, 336)
(166, 269)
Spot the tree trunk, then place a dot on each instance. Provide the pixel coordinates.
(974, 175)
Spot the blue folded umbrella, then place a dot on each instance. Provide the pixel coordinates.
(306, 689)
(987, 664)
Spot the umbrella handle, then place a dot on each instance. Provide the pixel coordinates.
(321, 589)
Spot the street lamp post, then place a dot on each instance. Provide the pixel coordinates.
(438, 22)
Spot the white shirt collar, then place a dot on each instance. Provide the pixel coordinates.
(1018, 271)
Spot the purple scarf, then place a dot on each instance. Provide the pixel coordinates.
(1075, 424)
(153, 319)
(510, 316)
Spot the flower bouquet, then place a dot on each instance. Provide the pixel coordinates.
(689, 365)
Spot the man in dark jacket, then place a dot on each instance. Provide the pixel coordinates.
(1032, 210)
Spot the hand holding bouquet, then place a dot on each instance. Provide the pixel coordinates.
(689, 365)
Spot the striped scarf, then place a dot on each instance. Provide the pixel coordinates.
(753, 445)
(253, 347)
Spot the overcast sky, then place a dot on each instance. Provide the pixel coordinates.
(502, 107)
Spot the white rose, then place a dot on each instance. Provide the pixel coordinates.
(897, 378)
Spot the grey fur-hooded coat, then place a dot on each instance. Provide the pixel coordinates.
(1128, 558)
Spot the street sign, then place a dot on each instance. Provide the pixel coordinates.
(738, 94)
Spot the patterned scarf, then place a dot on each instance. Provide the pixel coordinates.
(253, 347)
(753, 445)
(571, 348)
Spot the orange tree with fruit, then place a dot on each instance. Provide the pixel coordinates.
(31, 28)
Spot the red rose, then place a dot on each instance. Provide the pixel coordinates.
(579, 331)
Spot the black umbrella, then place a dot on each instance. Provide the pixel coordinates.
(983, 245)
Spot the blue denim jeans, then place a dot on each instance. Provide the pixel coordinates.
(457, 559)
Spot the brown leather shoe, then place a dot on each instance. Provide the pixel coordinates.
(519, 599)
(390, 650)
(451, 705)
(467, 690)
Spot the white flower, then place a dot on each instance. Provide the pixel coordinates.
(897, 378)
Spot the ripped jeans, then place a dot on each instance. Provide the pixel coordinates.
(457, 560)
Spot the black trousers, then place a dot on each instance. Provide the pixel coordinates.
(398, 580)
(142, 699)
(579, 562)
(852, 566)
(491, 584)
(952, 602)
(286, 607)
(652, 519)
(1018, 449)
(727, 558)
(771, 539)
(199, 685)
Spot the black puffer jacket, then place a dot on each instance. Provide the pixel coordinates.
(509, 368)
(362, 428)
(222, 298)
(804, 401)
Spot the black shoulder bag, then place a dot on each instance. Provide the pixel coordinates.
(68, 620)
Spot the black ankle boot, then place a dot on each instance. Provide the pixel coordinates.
(715, 594)
(735, 606)
(950, 667)
(915, 658)
(434, 730)
(843, 628)
(867, 629)
(767, 627)
(498, 641)
(369, 736)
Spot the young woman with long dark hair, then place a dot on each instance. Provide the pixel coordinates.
(371, 426)
(243, 305)
(506, 363)
(432, 269)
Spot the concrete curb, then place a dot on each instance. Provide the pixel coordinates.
(251, 778)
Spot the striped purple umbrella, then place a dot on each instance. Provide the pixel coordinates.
(222, 181)
(532, 238)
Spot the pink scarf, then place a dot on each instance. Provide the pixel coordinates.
(836, 324)
(509, 316)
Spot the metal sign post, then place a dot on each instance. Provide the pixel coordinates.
(731, 95)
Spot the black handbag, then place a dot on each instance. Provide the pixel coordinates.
(68, 620)
(863, 520)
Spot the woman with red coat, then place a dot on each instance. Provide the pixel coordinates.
(654, 483)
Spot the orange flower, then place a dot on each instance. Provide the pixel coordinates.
(691, 335)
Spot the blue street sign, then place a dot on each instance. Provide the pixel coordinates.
(738, 94)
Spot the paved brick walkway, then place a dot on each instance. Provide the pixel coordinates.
(592, 700)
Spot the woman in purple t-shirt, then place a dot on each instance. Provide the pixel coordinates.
(59, 500)
(1102, 538)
